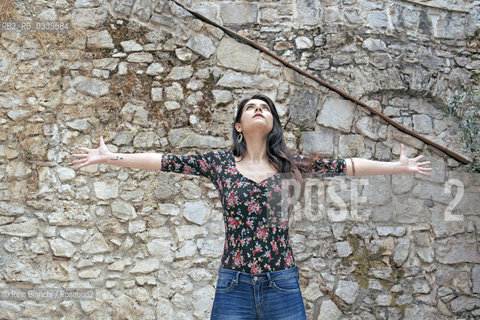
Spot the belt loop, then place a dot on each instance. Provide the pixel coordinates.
(269, 276)
(236, 278)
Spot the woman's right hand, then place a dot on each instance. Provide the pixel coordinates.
(92, 156)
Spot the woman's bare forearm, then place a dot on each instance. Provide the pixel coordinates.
(101, 155)
(365, 167)
(146, 161)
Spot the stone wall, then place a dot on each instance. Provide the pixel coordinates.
(150, 77)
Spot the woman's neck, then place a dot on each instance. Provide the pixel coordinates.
(256, 150)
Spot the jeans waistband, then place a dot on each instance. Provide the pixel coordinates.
(256, 277)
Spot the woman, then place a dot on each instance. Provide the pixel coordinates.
(258, 278)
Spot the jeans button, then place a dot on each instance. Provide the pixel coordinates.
(255, 278)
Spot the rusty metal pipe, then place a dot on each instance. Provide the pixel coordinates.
(347, 96)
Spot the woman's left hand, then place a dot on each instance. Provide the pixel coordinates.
(412, 165)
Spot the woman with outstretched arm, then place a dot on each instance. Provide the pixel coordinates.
(258, 277)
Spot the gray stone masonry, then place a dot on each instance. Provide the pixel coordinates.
(150, 77)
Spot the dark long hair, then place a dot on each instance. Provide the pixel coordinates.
(280, 156)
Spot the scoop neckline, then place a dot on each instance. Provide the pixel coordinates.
(232, 157)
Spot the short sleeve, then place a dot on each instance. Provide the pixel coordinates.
(325, 167)
(330, 167)
(199, 164)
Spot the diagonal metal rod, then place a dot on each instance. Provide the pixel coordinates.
(347, 96)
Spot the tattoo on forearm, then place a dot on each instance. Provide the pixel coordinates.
(117, 158)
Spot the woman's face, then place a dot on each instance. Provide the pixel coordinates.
(256, 116)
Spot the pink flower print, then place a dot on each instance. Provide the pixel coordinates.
(232, 199)
(203, 166)
(276, 188)
(255, 268)
(269, 196)
(262, 233)
(187, 169)
(254, 206)
(274, 246)
(289, 259)
(277, 263)
(232, 241)
(232, 222)
(251, 207)
(269, 255)
(238, 259)
(257, 249)
(248, 223)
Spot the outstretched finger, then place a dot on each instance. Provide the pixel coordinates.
(79, 161)
(84, 149)
(426, 169)
(424, 173)
(82, 165)
(419, 157)
(79, 155)
(403, 156)
(423, 163)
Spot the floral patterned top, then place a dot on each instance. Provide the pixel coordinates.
(256, 228)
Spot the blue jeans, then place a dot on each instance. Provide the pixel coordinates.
(263, 296)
